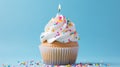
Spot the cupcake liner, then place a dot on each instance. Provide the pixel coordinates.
(55, 55)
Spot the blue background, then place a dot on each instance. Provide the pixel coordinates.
(97, 22)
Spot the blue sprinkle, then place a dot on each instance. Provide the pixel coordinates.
(42, 36)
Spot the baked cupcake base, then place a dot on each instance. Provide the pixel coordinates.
(58, 55)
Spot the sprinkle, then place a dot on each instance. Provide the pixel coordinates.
(68, 20)
(71, 33)
(68, 40)
(56, 23)
(60, 28)
(8, 65)
(70, 24)
(39, 64)
(96, 64)
(23, 63)
(73, 65)
(81, 64)
(76, 37)
(60, 18)
(59, 21)
(64, 21)
(70, 30)
(75, 32)
(53, 30)
(63, 32)
(68, 65)
(57, 34)
(41, 37)
(67, 23)
(66, 26)
(72, 36)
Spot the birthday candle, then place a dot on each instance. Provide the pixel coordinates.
(59, 8)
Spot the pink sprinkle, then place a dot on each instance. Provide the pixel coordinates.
(64, 21)
(56, 23)
(60, 28)
(69, 40)
(57, 34)
(60, 18)
(75, 32)
(70, 30)
(66, 26)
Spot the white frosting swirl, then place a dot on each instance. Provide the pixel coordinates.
(59, 29)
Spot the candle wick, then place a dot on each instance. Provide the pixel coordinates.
(59, 8)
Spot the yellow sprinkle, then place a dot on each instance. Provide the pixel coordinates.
(70, 24)
(96, 65)
(72, 35)
(53, 30)
(68, 65)
(59, 20)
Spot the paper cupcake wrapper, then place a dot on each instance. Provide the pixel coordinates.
(54, 55)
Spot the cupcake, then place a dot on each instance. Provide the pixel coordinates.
(59, 41)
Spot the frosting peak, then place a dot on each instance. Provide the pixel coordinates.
(59, 29)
